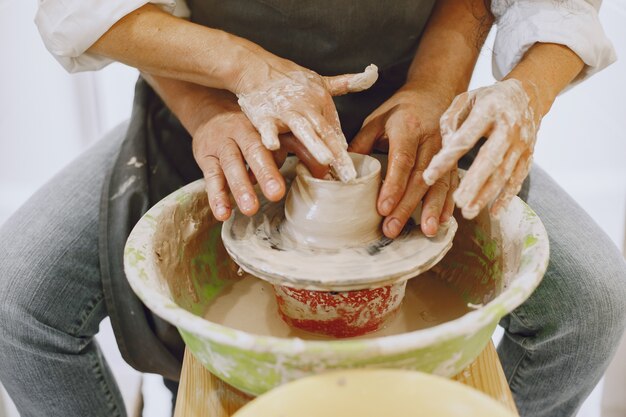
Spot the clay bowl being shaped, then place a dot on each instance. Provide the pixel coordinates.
(177, 265)
(374, 393)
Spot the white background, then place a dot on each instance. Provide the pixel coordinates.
(47, 117)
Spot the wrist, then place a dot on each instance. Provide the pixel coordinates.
(250, 66)
(440, 77)
(539, 99)
(438, 97)
(237, 59)
(447, 53)
(197, 110)
(544, 71)
(192, 104)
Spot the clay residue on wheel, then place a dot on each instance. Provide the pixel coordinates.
(474, 264)
(190, 254)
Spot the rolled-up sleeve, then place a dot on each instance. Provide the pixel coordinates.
(573, 23)
(69, 27)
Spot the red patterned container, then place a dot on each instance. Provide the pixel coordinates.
(339, 314)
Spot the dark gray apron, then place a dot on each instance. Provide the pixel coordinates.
(329, 37)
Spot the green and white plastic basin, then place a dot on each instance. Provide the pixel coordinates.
(176, 264)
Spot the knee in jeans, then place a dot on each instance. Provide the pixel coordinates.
(12, 300)
(32, 312)
(597, 299)
(16, 302)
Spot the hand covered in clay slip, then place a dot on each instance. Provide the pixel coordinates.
(408, 126)
(502, 113)
(300, 101)
(223, 142)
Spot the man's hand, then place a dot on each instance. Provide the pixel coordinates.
(502, 113)
(408, 125)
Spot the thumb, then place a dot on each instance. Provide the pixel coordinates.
(352, 83)
(364, 141)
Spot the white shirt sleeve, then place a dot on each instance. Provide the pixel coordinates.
(573, 23)
(69, 27)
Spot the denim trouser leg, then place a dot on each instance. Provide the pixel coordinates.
(559, 342)
(51, 299)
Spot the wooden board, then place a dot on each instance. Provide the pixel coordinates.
(486, 375)
(201, 394)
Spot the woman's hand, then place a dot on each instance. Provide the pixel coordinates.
(503, 114)
(280, 97)
(508, 114)
(408, 125)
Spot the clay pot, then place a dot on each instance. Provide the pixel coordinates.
(331, 215)
(328, 214)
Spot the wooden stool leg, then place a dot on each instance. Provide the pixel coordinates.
(202, 394)
(486, 375)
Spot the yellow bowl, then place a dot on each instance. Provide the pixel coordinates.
(374, 393)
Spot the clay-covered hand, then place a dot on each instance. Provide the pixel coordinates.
(408, 125)
(503, 114)
(223, 142)
(294, 99)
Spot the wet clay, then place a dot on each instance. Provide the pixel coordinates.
(249, 304)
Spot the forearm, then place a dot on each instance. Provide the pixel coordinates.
(449, 47)
(158, 43)
(544, 71)
(192, 104)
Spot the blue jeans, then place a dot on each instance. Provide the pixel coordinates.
(555, 349)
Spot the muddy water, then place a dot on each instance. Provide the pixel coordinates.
(249, 305)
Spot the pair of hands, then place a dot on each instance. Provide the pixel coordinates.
(294, 112)
(282, 108)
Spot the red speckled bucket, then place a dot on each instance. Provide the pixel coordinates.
(339, 314)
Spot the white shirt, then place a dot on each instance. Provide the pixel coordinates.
(70, 27)
(573, 23)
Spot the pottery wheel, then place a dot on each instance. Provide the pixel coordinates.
(257, 245)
